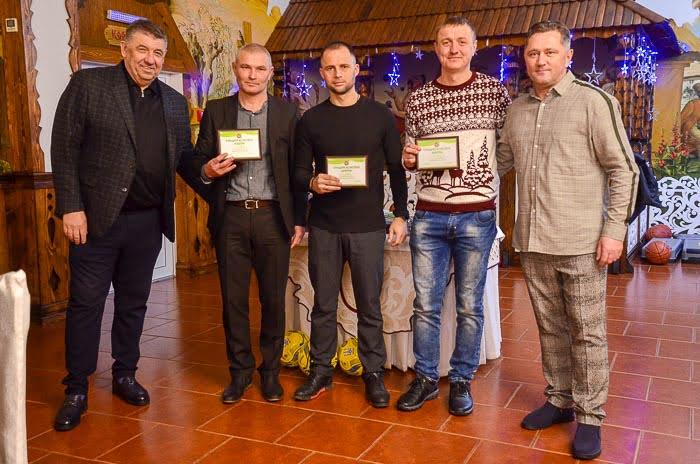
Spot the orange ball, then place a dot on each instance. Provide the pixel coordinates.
(658, 252)
(658, 231)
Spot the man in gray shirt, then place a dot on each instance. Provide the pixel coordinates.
(255, 216)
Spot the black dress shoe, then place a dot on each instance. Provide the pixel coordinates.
(375, 391)
(461, 403)
(421, 390)
(586, 442)
(68, 417)
(128, 389)
(313, 387)
(546, 416)
(234, 391)
(271, 389)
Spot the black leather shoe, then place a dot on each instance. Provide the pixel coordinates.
(271, 389)
(128, 389)
(461, 403)
(546, 416)
(68, 417)
(586, 442)
(421, 390)
(313, 387)
(375, 391)
(234, 391)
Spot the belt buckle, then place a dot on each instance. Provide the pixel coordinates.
(251, 204)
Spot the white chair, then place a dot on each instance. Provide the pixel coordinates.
(14, 327)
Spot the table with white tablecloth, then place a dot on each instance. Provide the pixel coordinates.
(397, 306)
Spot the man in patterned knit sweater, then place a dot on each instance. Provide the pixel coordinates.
(456, 212)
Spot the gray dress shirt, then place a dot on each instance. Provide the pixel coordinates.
(253, 179)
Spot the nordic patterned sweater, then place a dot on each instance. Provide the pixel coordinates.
(472, 111)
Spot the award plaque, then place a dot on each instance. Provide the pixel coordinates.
(351, 170)
(437, 153)
(243, 144)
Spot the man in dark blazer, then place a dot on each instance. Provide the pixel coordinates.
(255, 216)
(118, 137)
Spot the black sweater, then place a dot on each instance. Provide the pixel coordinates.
(365, 128)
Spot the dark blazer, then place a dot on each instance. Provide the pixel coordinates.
(282, 118)
(93, 148)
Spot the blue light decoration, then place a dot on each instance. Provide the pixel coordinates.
(419, 54)
(509, 62)
(503, 63)
(394, 75)
(639, 60)
(302, 86)
(121, 17)
(644, 68)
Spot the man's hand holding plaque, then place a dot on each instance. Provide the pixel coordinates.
(241, 144)
(437, 153)
(351, 171)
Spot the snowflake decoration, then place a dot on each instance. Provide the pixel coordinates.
(419, 54)
(653, 114)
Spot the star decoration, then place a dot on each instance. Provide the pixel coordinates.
(419, 54)
(625, 70)
(593, 76)
(653, 114)
(393, 78)
(323, 83)
(304, 88)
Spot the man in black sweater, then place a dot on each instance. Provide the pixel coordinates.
(348, 223)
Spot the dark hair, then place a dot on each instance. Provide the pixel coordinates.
(148, 27)
(456, 21)
(340, 44)
(547, 26)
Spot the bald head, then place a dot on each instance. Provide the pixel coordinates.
(254, 48)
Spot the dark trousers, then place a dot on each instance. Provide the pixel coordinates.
(253, 239)
(364, 252)
(124, 257)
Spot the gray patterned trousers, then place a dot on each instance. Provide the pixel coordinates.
(568, 296)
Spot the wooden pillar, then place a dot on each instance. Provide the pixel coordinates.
(31, 234)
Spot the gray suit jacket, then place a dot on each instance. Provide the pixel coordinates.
(93, 148)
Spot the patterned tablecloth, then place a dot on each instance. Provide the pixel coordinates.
(397, 306)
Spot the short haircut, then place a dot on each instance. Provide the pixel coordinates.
(148, 27)
(547, 26)
(340, 44)
(254, 48)
(456, 21)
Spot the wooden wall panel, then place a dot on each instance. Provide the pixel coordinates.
(93, 20)
(35, 240)
(19, 96)
(195, 252)
(52, 254)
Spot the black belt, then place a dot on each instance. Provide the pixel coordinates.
(252, 204)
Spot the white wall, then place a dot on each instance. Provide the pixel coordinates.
(50, 26)
(681, 11)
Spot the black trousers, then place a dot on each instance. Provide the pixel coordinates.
(124, 257)
(253, 239)
(328, 252)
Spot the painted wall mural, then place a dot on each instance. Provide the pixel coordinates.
(214, 30)
(676, 137)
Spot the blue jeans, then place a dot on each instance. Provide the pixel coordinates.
(436, 238)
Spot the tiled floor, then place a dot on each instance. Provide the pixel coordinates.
(653, 409)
